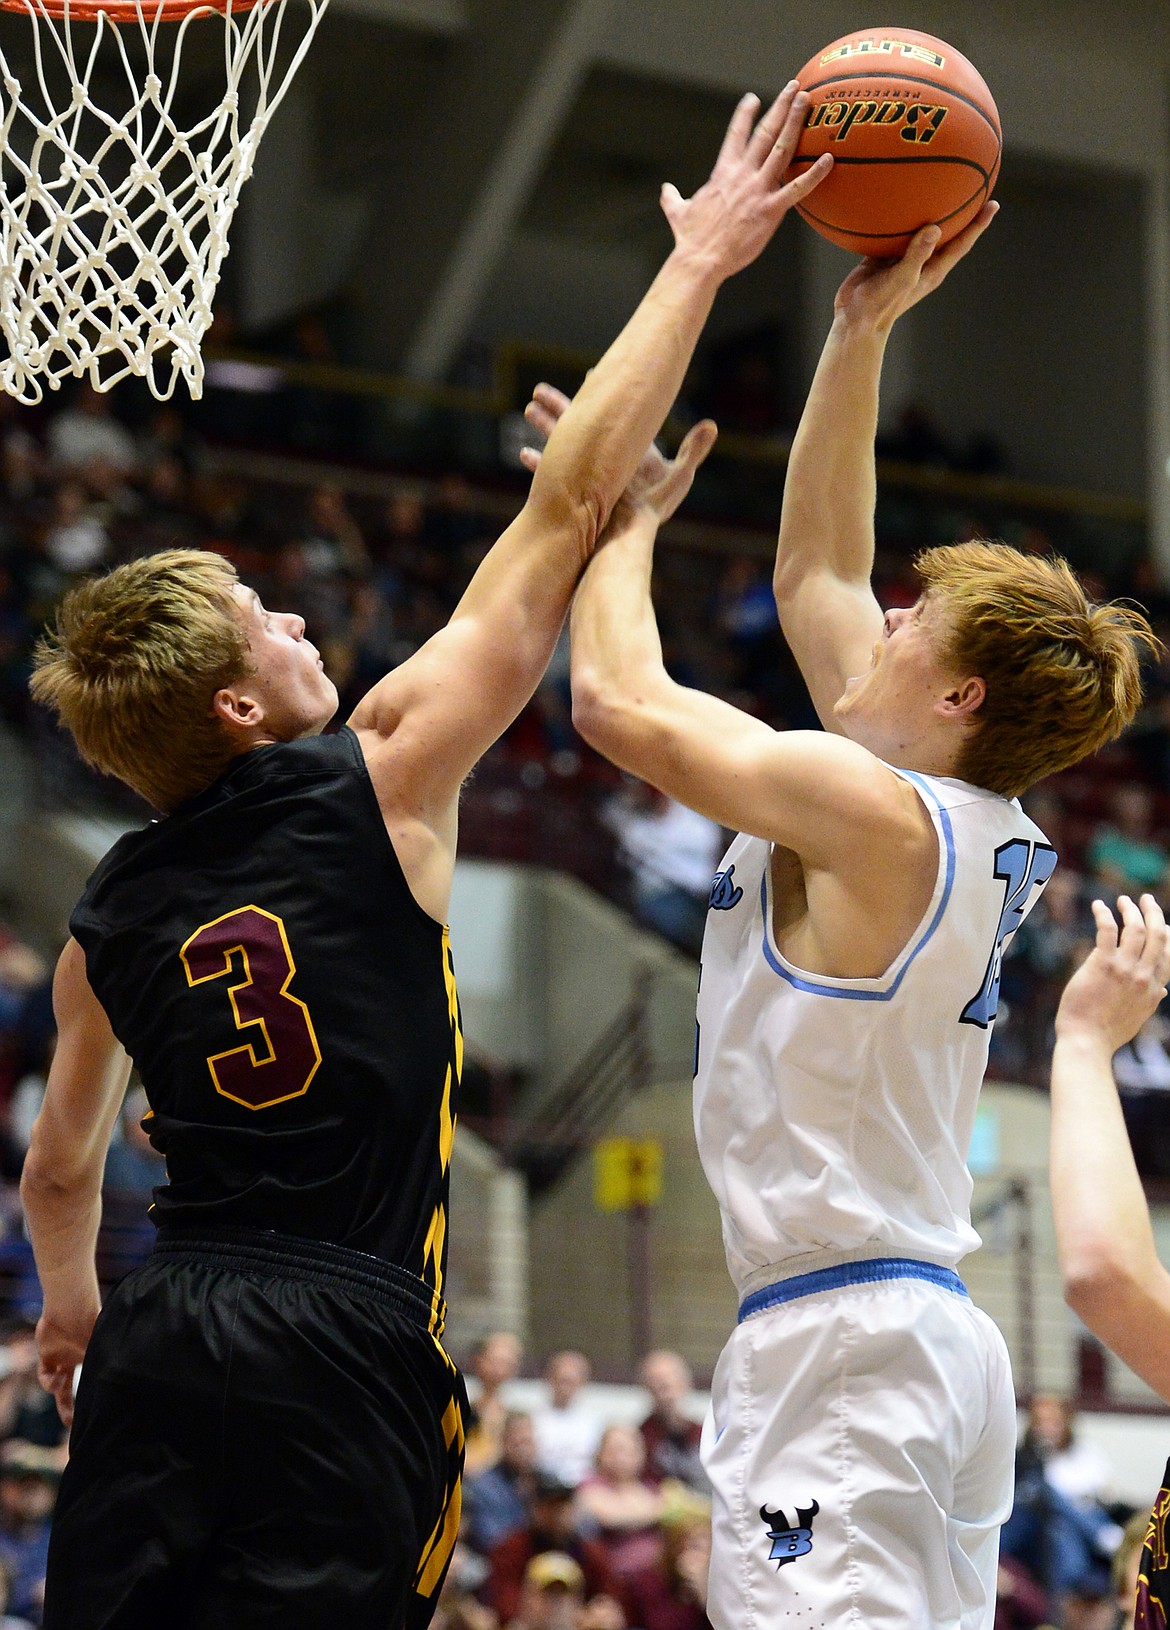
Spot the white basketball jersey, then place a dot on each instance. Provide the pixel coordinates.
(834, 1115)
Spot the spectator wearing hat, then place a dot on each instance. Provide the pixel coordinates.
(551, 1527)
(554, 1598)
(499, 1500)
(29, 1475)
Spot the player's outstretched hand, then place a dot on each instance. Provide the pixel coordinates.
(878, 291)
(659, 484)
(1121, 982)
(736, 211)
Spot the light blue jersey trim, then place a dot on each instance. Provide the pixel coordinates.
(813, 987)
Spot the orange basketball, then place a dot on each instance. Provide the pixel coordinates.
(913, 130)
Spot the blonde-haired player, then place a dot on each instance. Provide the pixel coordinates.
(863, 1422)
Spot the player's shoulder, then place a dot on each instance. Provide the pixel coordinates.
(251, 779)
(859, 782)
(310, 757)
(273, 770)
(835, 761)
(975, 806)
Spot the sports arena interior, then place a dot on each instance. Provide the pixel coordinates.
(459, 198)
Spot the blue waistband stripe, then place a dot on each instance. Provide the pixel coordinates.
(850, 1273)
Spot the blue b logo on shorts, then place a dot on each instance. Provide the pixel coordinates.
(789, 1540)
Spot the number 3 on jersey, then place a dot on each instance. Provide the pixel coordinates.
(1023, 868)
(282, 1057)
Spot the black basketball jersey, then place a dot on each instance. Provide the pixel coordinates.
(1153, 1594)
(289, 1005)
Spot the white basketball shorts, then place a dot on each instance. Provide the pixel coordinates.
(860, 1444)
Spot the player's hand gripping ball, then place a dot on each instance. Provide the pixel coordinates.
(914, 133)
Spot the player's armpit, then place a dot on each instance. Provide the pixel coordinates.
(427, 724)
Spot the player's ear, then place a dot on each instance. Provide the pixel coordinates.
(237, 708)
(963, 699)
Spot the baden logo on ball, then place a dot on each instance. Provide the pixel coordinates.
(914, 133)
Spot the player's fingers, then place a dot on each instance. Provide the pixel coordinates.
(1154, 951)
(58, 1382)
(1133, 928)
(696, 444)
(781, 123)
(963, 242)
(740, 127)
(530, 459)
(1106, 926)
(922, 245)
(672, 201)
(800, 186)
(550, 398)
(1152, 913)
(540, 419)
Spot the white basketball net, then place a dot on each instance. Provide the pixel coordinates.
(115, 222)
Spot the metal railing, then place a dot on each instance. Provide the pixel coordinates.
(1012, 1205)
(351, 414)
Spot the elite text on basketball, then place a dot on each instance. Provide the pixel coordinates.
(866, 48)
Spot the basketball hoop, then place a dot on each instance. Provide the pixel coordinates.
(114, 219)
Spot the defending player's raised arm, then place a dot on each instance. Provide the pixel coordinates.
(824, 558)
(60, 1186)
(830, 800)
(444, 707)
(1109, 1264)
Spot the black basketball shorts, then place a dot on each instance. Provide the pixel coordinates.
(266, 1434)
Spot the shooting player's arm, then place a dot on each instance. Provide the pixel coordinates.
(824, 558)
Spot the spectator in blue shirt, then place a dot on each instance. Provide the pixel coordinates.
(499, 1500)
